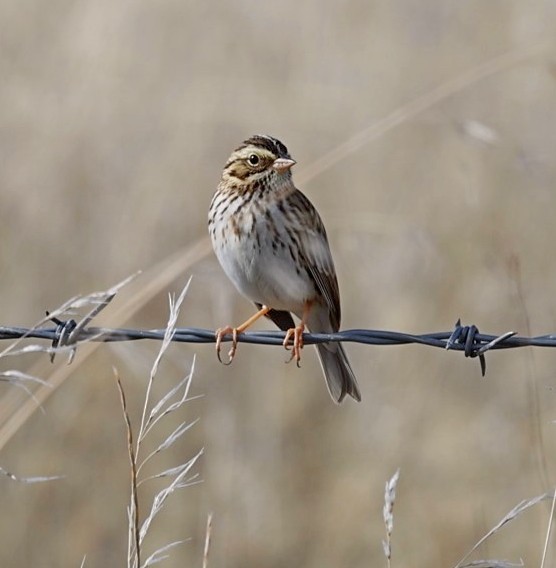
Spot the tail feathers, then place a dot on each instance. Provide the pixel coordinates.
(338, 373)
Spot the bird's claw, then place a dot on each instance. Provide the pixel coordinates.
(297, 334)
(220, 333)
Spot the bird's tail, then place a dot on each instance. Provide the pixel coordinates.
(338, 373)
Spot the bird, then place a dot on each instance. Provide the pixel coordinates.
(272, 244)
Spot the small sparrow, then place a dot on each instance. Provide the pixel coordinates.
(272, 244)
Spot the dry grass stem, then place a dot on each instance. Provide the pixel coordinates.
(493, 564)
(160, 554)
(419, 105)
(102, 299)
(35, 479)
(208, 534)
(533, 398)
(548, 531)
(134, 551)
(19, 380)
(510, 516)
(175, 305)
(181, 475)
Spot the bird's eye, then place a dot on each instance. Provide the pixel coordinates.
(253, 160)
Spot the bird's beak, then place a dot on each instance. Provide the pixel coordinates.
(283, 164)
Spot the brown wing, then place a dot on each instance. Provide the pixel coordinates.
(316, 255)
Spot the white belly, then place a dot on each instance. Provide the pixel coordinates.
(262, 274)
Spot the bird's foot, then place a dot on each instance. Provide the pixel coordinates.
(297, 334)
(219, 334)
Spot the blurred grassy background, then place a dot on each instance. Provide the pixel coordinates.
(115, 121)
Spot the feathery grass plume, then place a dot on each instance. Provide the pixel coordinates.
(520, 508)
(95, 301)
(181, 475)
(388, 513)
(13, 414)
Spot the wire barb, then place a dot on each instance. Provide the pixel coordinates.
(468, 337)
(62, 337)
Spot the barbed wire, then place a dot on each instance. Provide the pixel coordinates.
(468, 339)
(68, 334)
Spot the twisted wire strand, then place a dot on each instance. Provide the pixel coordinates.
(462, 338)
(68, 334)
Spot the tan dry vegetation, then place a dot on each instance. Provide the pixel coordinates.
(115, 120)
